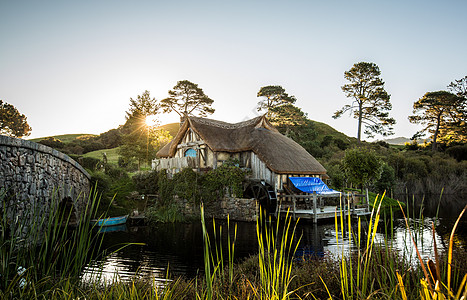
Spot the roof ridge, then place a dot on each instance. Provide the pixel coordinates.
(226, 125)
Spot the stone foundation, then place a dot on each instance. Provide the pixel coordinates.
(237, 209)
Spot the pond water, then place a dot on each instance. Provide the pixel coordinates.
(153, 251)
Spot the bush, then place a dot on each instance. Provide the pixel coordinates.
(90, 163)
(458, 152)
(387, 180)
(146, 182)
(52, 143)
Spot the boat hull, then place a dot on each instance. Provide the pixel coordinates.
(110, 221)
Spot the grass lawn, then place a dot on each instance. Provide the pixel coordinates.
(112, 155)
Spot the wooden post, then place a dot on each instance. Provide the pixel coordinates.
(315, 215)
(214, 161)
(294, 207)
(367, 200)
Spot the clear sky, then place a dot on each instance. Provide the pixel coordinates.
(72, 66)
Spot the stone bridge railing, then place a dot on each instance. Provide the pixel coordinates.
(32, 176)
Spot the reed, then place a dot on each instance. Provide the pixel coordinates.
(275, 258)
(214, 268)
(432, 285)
(38, 249)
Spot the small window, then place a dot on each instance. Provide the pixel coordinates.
(190, 153)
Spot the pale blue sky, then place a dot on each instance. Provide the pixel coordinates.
(72, 66)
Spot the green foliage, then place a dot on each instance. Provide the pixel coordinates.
(274, 96)
(192, 186)
(90, 163)
(52, 142)
(361, 166)
(370, 101)
(188, 184)
(164, 214)
(227, 177)
(41, 248)
(147, 182)
(187, 99)
(443, 116)
(458, 152)
(140, 140)
(386, 181)
(12, 123)
(115, 186)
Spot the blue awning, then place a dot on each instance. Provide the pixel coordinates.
(312, 184)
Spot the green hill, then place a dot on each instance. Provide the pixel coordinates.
(172, 128)
(112, 155)
(324, 129)
(64, 138)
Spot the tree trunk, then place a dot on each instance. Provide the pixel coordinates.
(360, 118)
(434, 146)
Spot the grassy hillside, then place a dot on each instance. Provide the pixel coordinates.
(172, 128)
(65, 138)
(112, 155)
(324, 129)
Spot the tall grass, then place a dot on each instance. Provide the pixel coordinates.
(275, 258)
(432, 285)
(214, 267)
(37, 247)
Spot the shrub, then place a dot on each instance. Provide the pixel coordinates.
(146, 182)
(90, 163)
(52, 142)
(458, 152)
(387, 180)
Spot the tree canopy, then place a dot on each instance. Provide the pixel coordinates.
(371, 103)
(361, 166)
(140, 109)
(442, 113)
(273, 96)
(12, 122)
(187, 99)
(141, 140)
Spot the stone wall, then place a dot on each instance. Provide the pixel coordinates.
(237, 209)
(32, 176)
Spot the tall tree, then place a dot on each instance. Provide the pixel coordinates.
(286, 117)
(187, 99)
(140, 109)
(139, 139)
(438, 112)
(273, 97)
(371, 103)
(12, 123)
(459, 87)
(361, 166)
(459, 125)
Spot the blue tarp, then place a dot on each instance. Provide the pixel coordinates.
(312, 184)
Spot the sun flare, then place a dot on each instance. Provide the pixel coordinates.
(152, 121)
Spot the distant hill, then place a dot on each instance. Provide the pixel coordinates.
(403, 140)
(397, 141)
(172, 128)
(324, 129)
(65, 138)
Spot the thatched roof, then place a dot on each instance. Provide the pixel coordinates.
(281, 154)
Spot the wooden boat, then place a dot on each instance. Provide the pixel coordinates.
(114, 221)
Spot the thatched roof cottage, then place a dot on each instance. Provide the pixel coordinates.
(204, 143)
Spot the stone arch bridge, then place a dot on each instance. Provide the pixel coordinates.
(34, 176)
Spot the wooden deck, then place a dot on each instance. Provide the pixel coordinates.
(316, 208)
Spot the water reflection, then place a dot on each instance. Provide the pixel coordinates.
(178, 248)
